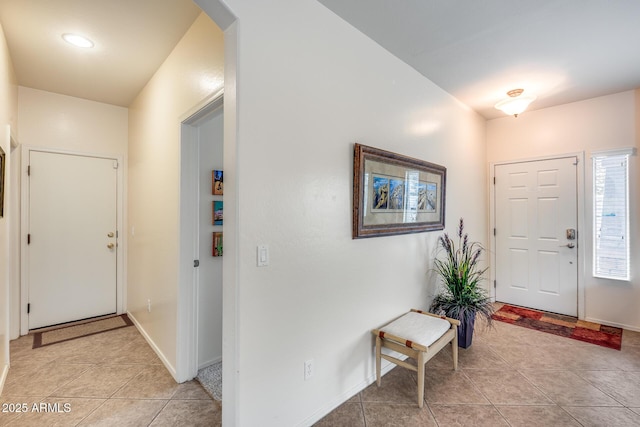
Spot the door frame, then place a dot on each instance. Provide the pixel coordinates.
(580, 190)
(121, 299)
(189, 223)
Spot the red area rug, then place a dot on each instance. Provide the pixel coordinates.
(558, 324)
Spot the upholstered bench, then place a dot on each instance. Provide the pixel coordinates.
(420, 336)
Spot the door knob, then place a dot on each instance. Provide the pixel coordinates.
(110, 234)
(111, 245)
(569, 245)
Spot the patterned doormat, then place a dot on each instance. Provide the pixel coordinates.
(68, 333)
(564, 326)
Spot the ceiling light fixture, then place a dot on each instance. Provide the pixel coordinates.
(516, 103)
(76, 40)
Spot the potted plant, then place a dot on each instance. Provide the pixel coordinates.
(463, 296)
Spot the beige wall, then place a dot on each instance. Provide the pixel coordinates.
(308, 87)
(602, 123)
(59, 122)
(8, 117)
(193, 72)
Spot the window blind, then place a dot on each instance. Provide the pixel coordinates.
(611, 216)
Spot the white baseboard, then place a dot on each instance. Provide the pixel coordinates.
(152, 344)
(339, 400)
(3, 377)
(209, 362)
(617, 325)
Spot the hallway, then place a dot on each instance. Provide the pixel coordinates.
(108, 379)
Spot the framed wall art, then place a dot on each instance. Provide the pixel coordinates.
(218, 212)
(216, 249)
(396, 194)
(217, 183)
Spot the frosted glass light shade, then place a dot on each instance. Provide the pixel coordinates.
(516, 104)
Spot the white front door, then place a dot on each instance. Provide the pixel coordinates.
(536, 256)
(72, 240)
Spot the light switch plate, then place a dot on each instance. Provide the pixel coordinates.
(263, 255)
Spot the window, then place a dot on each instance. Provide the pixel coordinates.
(611, 214)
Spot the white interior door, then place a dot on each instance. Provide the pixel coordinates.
(72, 237)
(536, 257)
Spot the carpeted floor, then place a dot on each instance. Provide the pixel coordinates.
(558, 324)
(211, 379)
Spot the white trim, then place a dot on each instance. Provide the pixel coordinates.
(343, 397)
(209, 362)
(580, 189)
(188, 276)
(630, 151)
(154, 347)
(121, 285)
(3, 377)
(614, 324)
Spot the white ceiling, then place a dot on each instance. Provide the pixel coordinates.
(132, 38)
(559, 50)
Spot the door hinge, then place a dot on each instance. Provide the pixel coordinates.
(196, 263)
(28, 239)
(29, 170)
(494, 180)
(115, 164)
(494, 284)
(28, 308)
(494, 231)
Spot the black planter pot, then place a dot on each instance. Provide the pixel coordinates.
(465, 332)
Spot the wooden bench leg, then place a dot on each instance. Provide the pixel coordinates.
(378, 361)
(420, 379)
(454, 350)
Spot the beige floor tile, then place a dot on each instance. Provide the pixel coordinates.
(397, 387)
(355, 399)
(154, 382)
(449, 386)
(622, 386)
(125, 412)
(191, 390)
(538, 416)
(480, 357)
(630, 339)
(636, 410)
(44, 380)
(12, 407)
(567, 388)
(135, 353)
(599, 417)
(193, 413)
(388, 415)
(347, 414)
(628, 359)
(99, 381)
(442, 360)
(506, 387)
(520, 356)
(467, 415)
(52, 412)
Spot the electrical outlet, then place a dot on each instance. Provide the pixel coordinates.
(308, 369)
(149, 305)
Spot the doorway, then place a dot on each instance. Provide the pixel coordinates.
(536, 234)
(200, 288)
(71, 256)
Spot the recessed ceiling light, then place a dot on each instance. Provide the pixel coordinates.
(77, 40)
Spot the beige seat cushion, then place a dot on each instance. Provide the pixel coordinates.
(418, 328)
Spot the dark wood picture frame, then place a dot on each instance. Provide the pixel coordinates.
(396, 194)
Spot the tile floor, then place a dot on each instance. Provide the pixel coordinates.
(510, 376)
(109, 379)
